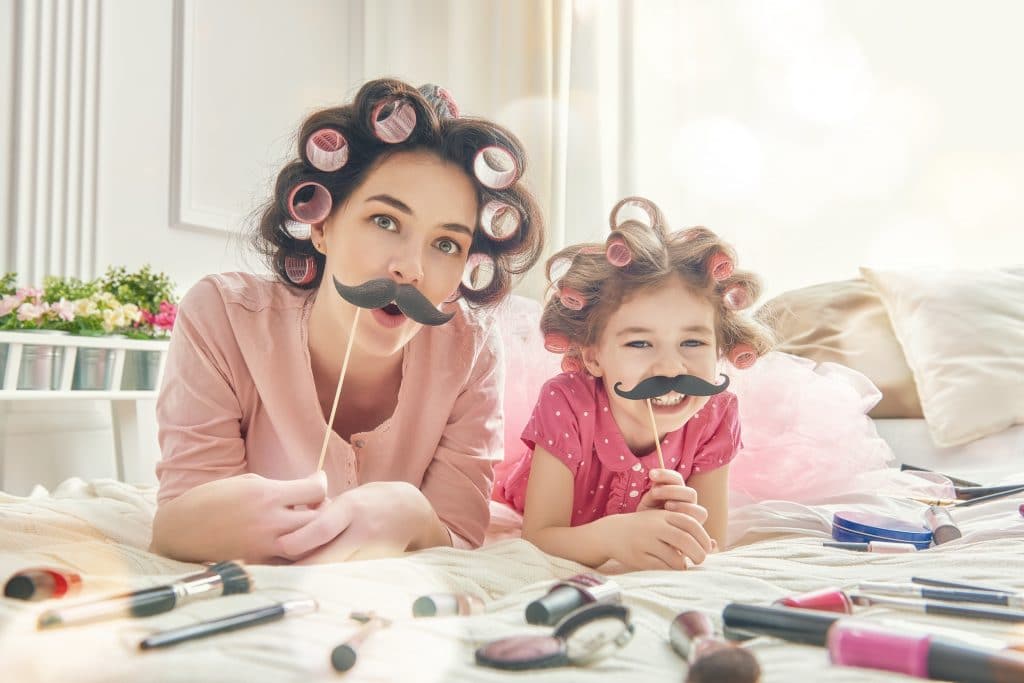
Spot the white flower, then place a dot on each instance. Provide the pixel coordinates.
(30, 312)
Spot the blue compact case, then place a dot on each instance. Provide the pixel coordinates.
(863, 527)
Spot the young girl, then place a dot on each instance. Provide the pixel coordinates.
(643, 322)
(397, 188)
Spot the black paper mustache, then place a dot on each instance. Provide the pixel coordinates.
(659, 385)
(382, 291)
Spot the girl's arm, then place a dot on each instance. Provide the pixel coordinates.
(713, 495)
(651, 539)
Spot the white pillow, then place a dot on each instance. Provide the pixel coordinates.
(962, 332)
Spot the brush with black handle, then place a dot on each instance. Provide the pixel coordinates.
(220, 579)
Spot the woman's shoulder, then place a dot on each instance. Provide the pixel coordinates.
(247, 290)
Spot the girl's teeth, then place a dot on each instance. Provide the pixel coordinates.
(668, 400)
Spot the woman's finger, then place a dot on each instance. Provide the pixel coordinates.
(329, 521)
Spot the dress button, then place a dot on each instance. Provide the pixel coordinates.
(637, 467)
(634, 494)
(358, 443)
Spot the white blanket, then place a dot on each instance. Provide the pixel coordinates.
(102, 529)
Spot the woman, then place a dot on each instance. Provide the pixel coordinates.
(393, 186)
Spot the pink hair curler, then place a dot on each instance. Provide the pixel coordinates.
(394, 120)
(499, 220)
(327, 150)
(571, 298)
(827, 599)
(441, 100)
(572, 364)
(720, 266)
(556, 342)
(742, 356)
(736, 298)
(301, 270)
(309, 202)
(479, 272)
(495, 167)
(635, 209)
(617, 252)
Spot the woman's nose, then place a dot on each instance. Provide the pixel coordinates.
(406, 267)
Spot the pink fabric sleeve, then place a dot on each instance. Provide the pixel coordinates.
(554, 426)
(459, 479)
(722, 444)
(198, 411)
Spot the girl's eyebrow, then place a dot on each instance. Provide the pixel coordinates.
(695, 329)
(404, 208)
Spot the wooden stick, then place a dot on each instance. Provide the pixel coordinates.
(654, 428)
(337, 392)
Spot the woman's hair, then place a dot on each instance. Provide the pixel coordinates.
(590, 282)
(437, 129)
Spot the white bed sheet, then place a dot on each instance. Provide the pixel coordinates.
(991, 460)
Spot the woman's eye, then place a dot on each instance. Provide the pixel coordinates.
(638, 344)
(448, 246)
(384, 222)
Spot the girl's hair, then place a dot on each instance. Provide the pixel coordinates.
(590, 282)
(439, 130)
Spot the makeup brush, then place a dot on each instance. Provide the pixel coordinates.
(711, 659)
(337, 392)
(220, 579)
(947, 608)
(654, 428)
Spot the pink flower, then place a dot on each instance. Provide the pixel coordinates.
(30, 293)
(32, 312)
(65, 310)
(164, 320)
(9, 303)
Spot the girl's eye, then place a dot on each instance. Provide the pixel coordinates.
(638, 344)
(693, 343)
(450, 247)
(385, 222)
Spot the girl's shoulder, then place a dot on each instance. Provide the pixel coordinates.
(578, 389)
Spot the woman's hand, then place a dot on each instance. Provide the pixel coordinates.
(669, 493)
(241, 517)
(378, 519)
(655, 539)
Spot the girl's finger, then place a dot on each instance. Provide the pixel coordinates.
(696, 511)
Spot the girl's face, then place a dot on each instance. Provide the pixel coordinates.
(411, 220)
(665, 330)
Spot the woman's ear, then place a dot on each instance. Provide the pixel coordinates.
(318, 235)
(589, 356)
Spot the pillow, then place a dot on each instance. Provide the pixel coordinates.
(962, 332)
(846, 323)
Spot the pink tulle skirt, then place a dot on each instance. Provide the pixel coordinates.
(807, 436)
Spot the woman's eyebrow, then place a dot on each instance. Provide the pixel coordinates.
(404, 208)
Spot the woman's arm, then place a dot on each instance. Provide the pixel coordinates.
(650, 539)
(713, 495)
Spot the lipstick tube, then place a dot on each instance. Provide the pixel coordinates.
(851, 643)
(944, 529)
(42, 583)
(571, 594)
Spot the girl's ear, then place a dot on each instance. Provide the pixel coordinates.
(589, 356)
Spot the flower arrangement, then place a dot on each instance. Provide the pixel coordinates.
(139, 305)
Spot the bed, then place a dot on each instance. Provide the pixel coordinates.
(102, 529)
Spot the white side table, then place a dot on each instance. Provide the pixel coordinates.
(128, 454)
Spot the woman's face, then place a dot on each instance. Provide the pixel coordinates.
(412, 220)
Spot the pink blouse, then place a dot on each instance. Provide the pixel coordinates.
(238, 396)
(573, 422)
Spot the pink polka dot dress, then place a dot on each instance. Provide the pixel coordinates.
(572, 421)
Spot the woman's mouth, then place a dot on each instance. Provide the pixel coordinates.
(389, 316)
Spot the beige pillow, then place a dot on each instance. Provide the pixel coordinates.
(962, 332)
(846, 323)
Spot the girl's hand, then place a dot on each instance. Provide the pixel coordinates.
(378, 519)
(239, 517)
(669, 493)
(656, 539)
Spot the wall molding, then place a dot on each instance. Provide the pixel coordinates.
(54, 138)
